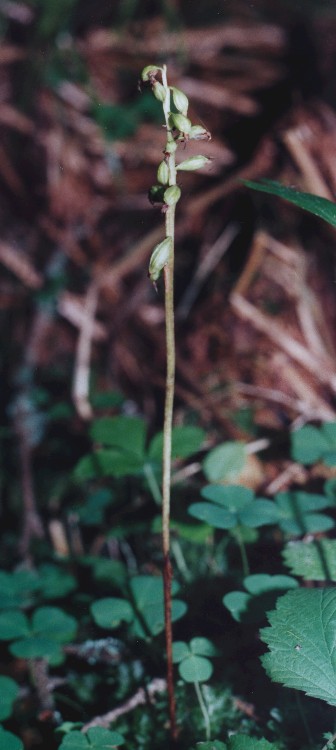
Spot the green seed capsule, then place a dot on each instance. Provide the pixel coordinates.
(149, 73)
(159, 91)
(199, 133)
(155, 194)
(180, 100)
(194, 162)
(172, 195)
(159, 258)
(163, 173)
(180, 122)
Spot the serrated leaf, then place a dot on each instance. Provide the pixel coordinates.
(225, 462)
(313, 561)
(195, 669)
(301, 642)
(314, 204)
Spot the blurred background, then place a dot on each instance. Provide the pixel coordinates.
(82, 328)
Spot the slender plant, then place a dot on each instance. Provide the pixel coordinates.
(179, 130)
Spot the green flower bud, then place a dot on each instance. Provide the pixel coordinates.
(194, 162)
(172, 195)
(180, 122)
(170, 148)
(180, 100)
(155, 194)
(159, 91)
(163, 173)
(159, 258)
(199, 133)
(149, 73)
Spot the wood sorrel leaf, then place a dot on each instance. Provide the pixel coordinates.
(301, 642)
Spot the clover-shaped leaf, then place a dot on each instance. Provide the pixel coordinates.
(194, 666)
(96, 738)
(9, 741)
(111, 612)
(17, 588)
(261, 593)
(225, 462)
(39, 638)
(233, 505)
(311, 444)
(301, 642)
(298, 513)
(8, 693)
(186, 440)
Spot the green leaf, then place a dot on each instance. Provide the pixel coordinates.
(263, 590)
(74, 741)
(13, 624)
(148, 598)
(243, 742)
(111, 612)
(301, 641)
(195, 669)
(103, 739)
(212, 745)
(37, 647)
(225, 462)
(297, 516)
(259, 513)
(108, 463)
(232, 497)
(213, 515)
(16, 588)
(186, 440)
(9, 741)
(55, 582)
(313, 561)
(181, 650)
(202, 647)
(8, 693)
(309, 445)
(314, 204)
(126, 433)
(54, 623)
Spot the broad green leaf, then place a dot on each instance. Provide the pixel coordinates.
(262, 592)
(9, 741)
(232, 497)
(313, 561)
(309, 445)
(103, 739)
(185, 441)
(301, 641)
(111, 612)
(213, 515)
(202, 647)
(314, 204)
(259, 513)
(126, 433)
(195, 669)
(108, 463)
(54, 623)
(181, 650)
(243, 742)
(37, 647)
(13, 624)
(8, 693)
(225, 462)
(55, 582)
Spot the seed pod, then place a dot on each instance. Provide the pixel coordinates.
(155, 194)
(159, 91)
(163, 173)
(159, 258)
(193, 162)
(149, 73)
(180, 122)
(172, 195)
(180, 100)
(170, 148)
(199, 133)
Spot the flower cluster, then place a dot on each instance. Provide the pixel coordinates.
(180, 130)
